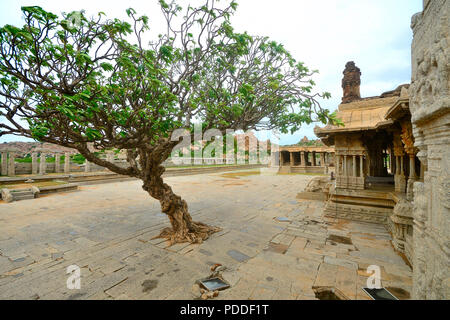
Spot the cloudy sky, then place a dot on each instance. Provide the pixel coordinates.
(324, 34)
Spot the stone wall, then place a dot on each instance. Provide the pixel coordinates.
(430, 106)
(26, 168)
(23, 168)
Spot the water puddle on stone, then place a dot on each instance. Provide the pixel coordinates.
(339, 239)
(149, 285)
(282, 219)
(328, 293)
(277, 248)
(237, 175)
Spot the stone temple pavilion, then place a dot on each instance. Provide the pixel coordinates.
(376, 161)
(306, 159)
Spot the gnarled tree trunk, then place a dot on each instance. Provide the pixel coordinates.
(183, 229)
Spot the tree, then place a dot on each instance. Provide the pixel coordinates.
(96, 82)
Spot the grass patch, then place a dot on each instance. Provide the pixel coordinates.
(205, 166)
(304, 174)
(236, 175)
(35, 184)
(77, 158)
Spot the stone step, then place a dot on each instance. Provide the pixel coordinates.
(61, 188)
(23, 197)
(21, 192)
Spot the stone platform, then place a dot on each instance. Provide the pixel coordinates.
(303, 169)
(83, 177)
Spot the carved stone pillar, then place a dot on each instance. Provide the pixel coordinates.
(12, 164)
(408, 140)
(302, 159)
(345, 166)
(58, 168)
(67, 163)
(34, 163)
(338, 165)
(397, 165)
(354, 166)
(391, 161)
(412, 177)
(361, 166)
(402, 169)
(4, 169)
(322, 159)
(422, 171)
(401, 177)
(412, 166)
(291, 158)
(57, 163)
(420, 215)
(429, 96)
(43, 164)
(110, 158)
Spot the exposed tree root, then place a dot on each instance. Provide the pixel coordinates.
(182, 229)
(198, 233)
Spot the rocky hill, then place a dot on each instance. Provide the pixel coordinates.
(310, 143)
(24, 148)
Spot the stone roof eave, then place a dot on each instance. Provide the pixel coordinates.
(398, 110)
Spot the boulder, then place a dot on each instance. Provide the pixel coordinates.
(6, 195)
(319, 184)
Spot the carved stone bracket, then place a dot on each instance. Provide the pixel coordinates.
(408, 138)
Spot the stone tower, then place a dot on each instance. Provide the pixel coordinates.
(351, 83)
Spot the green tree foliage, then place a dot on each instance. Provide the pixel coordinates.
(96, 82)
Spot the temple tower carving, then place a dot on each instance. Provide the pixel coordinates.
(351, 83)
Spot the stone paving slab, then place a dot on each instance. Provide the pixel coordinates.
(313, 260)
(108, 231)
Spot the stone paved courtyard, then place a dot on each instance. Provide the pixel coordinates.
(107, 231)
